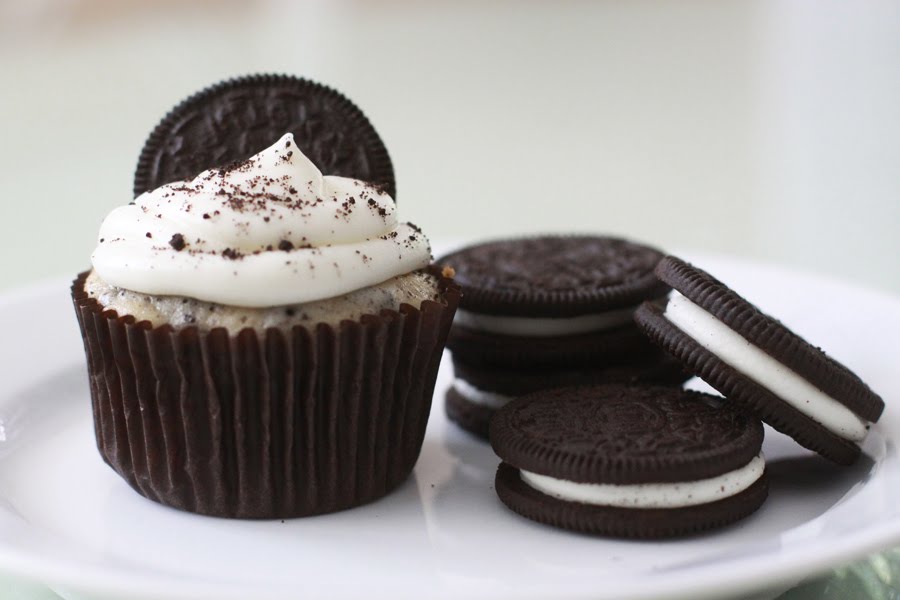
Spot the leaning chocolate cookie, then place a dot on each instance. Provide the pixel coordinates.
(629, 461)
(759, 364)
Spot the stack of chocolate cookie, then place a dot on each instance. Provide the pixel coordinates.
(547, 312)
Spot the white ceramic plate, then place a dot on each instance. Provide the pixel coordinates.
(67, 520)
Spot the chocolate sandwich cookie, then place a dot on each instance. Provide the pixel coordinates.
(477, 392)
(237, 118)
(759, 364)
(629, 461)
(548, 311)
(552, 299)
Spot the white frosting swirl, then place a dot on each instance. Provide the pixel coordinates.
(266, 232)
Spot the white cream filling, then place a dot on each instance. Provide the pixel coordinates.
(544, 327)
(479, 396)
(651, 495)
(735, 351)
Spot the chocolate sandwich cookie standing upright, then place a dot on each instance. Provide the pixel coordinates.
(759, 364)
(233, 120)
(628, 461)
(549, 311)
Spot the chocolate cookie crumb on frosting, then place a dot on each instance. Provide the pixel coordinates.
(628, 461)
(759, 364)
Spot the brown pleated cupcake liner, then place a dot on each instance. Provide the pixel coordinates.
(272, 424)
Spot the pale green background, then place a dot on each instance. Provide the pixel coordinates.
(764, 129)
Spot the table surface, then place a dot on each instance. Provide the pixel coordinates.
(763, 129)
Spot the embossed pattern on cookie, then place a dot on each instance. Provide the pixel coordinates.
(235, 119)
(628, 461)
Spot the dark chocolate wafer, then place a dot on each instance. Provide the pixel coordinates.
(615, 346)
(474, 418)
(555, 276)
(657, 367)
(665, 461)
(235, 119)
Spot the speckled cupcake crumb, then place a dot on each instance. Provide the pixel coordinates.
(412, 288)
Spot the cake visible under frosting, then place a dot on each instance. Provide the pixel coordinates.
(270, 231)
(411, 288)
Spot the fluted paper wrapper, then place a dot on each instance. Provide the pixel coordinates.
(271, 424)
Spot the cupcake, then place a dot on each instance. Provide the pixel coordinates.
(262, 340)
